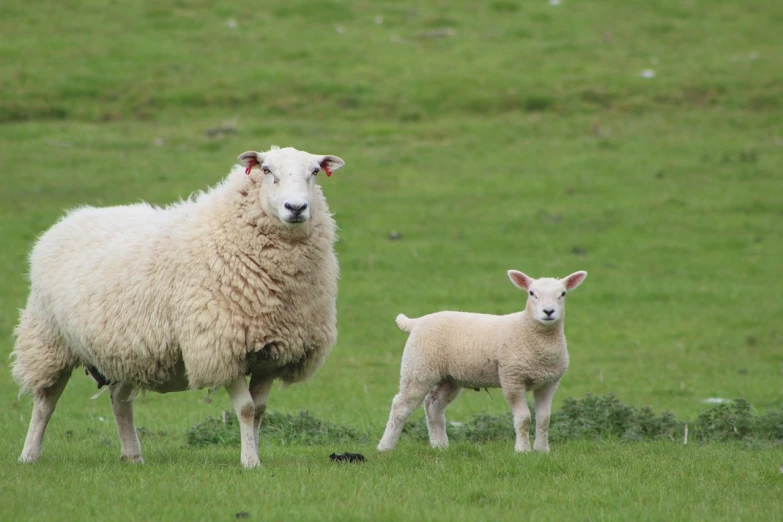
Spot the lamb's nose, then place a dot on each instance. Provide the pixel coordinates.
(297, 209)
(549, 312)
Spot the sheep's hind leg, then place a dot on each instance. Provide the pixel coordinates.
(122, 405)
(403, 405)
(245, 410)
(259, 390)
(45, 400)
(435, 404)
(515, 396)
(543, 398)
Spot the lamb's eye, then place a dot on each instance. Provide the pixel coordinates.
(531, 293)
(562, 295)
(266, 170)
(316, 170)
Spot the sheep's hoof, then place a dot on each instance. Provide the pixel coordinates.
(522, 449)
(383, 448)
(251, 463)
(440, 445)
(27, 459)
(133, 459)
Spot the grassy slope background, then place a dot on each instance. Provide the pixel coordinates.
(526, 138)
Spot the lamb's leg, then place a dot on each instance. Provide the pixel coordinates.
(515, 396)
(409, 398)
(259, 390)
(45, 400)
(122, 405)
(543, 398)
(435, 404)
(245, 410)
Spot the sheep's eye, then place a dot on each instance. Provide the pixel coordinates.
(316, 170)
(562, 295)
(531, 293)
(267, 170)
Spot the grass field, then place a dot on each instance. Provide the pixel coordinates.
(640, 141)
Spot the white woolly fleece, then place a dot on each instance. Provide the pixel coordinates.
(214, 286)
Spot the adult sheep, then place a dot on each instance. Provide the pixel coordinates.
(239, 280)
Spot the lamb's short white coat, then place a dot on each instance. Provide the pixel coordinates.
(239, 280)
(519, 352)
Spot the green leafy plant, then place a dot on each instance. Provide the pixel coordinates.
(590, 418)
(302, 428)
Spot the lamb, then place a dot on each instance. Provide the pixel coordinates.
(237, 281)
(519, 352)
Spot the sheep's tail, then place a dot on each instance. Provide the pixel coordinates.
(405, 323)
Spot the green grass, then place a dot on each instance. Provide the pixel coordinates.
(606, 481)
(526, 139)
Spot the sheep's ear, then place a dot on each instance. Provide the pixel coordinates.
(250, 158)
(330, 163)
(520, 280)
(574, 280)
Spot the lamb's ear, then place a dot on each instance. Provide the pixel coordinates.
(250, 158)
(520, 280)
(574, 280)
(330, 163)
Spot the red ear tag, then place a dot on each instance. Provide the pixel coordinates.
(326, 169)
(250, 166)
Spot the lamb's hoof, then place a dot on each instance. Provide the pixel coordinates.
(440, 445)
(542, 450)
(133, 459)
(384, 448)
(27, 459)
(523, 449)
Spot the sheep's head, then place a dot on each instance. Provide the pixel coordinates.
(546, 296)
(288, 181)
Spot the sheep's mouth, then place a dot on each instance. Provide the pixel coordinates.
(298, 220)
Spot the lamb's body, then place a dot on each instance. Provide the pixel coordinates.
(448, 351)
(482, 350)
(197, 294)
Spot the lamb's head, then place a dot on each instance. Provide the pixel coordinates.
(288, 181)
(546, 296)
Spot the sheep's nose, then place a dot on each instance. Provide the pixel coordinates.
(549, 312)
(296, 209)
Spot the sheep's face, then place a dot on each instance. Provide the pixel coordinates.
(546, 296)
(288, 181)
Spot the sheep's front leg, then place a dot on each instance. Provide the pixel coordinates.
(45, 400)
(259, 390)
(543, 398)
(122, 405)
(515, 397)
(245, 411)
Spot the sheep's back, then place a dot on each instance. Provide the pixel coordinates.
(459, 345)
(99, 278)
